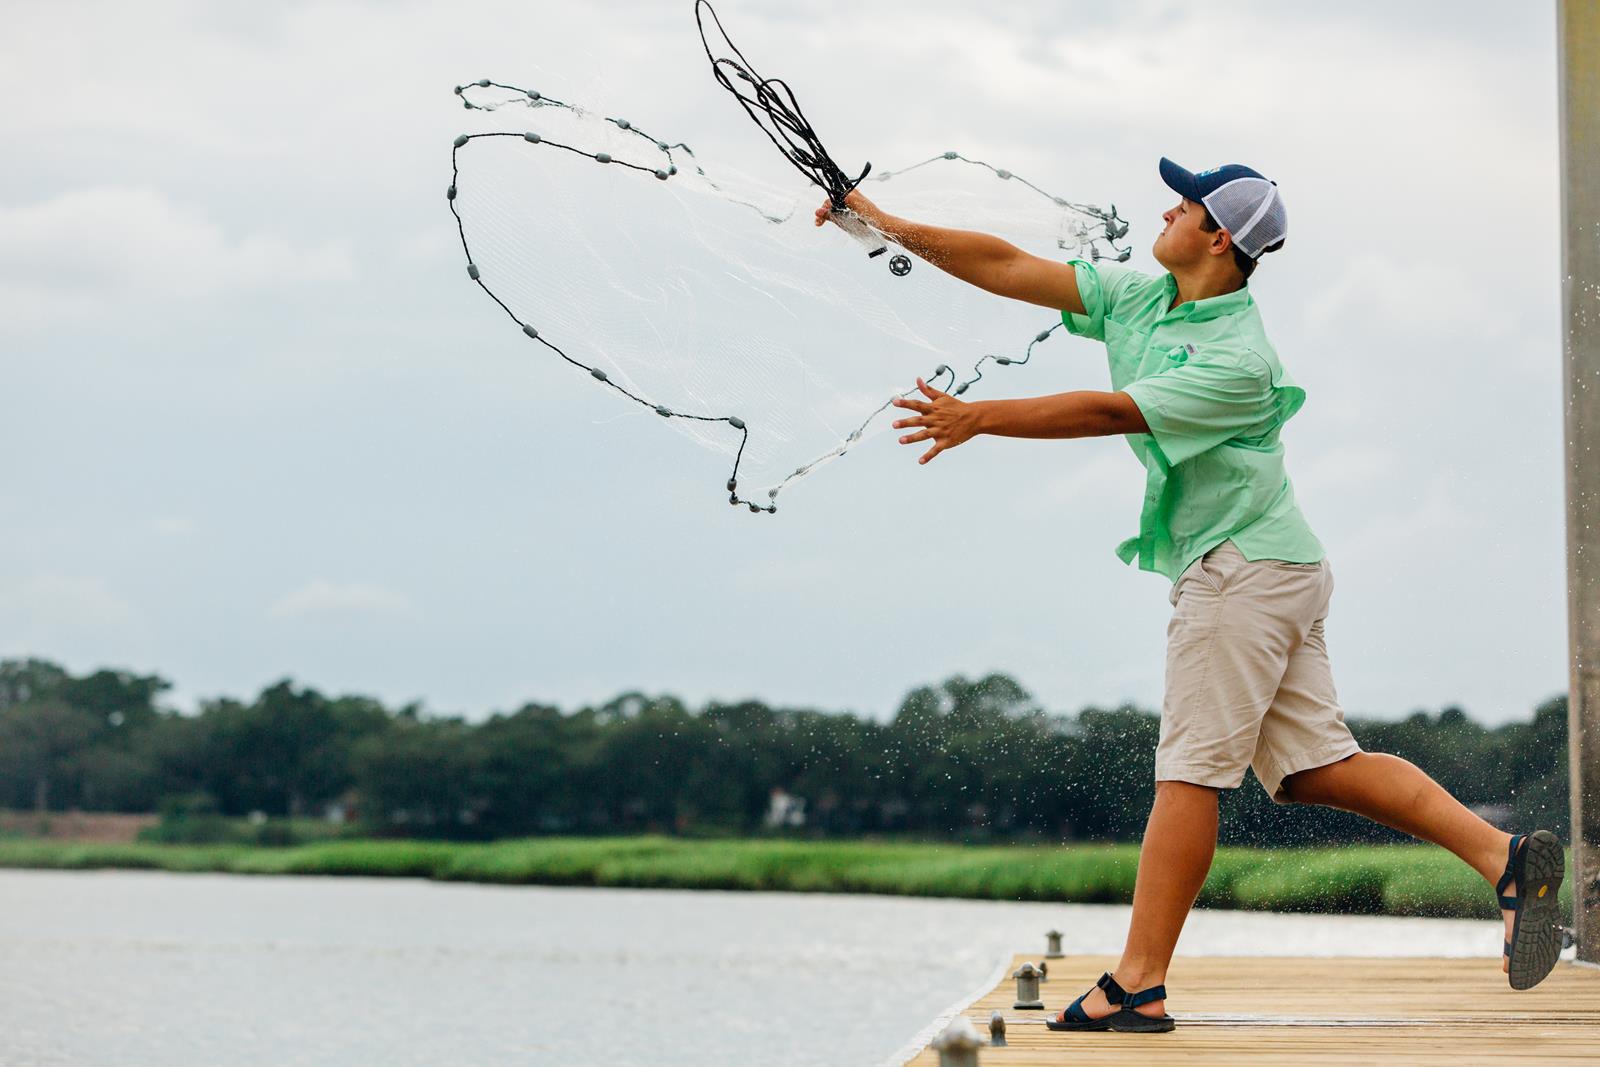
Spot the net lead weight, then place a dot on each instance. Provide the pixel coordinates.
(450, 193)
(533, 94)
(1045, 336)
(663, 411)
(661, 174)
(1002, 174)
(602, 157)
(950, 155)
(598, 373)
(531, 137)
(461, 140)
(472, 271)
(736, 423)
(1004, 361)
(622, 124)
(531, 332)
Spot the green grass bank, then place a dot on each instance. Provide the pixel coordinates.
(1382, 880)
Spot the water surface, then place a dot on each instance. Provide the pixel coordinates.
(125, 968)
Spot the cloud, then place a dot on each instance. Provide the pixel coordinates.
(56, 601)
(172, 525)
(320, 599)
(79, 248)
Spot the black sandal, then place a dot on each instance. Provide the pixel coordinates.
(1124, 1020)
(1535, 943)
(1128, 1021)
(1073, 1017)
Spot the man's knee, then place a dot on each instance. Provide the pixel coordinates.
(1315, 785)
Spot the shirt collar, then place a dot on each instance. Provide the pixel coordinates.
(1210, 308)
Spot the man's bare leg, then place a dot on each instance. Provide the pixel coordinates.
(1179, 841)
(1397, 793)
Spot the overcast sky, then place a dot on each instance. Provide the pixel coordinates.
(258, 425)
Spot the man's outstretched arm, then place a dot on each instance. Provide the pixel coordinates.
(1082, 413)
(948, 422)
(991, 263)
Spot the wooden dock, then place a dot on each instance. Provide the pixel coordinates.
(1245, 1011)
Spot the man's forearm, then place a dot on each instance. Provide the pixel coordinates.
(1083, 413)
(980, 259)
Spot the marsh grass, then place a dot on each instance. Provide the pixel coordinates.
(1387, 879)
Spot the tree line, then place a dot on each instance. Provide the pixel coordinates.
(965, 759)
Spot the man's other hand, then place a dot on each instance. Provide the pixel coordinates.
(945, 420)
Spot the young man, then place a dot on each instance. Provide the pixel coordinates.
(1201, 397)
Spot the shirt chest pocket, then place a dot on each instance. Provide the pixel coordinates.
(1126, 348)
(1156, 356)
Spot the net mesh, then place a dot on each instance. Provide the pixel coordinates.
(707, 296)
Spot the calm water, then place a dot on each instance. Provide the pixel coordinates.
(133, 968)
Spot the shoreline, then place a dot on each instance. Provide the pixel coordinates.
(1405, 880)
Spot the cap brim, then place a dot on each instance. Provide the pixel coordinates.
(1180, 181)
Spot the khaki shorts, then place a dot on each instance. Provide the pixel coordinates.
(1248, 681)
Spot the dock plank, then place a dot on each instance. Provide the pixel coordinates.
(1245, 1011)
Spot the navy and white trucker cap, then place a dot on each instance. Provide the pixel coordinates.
(1243, 201)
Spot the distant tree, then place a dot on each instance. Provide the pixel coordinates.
(24, 680)
(39, 741)
(965, 758)
(420, 777)
(286, 752)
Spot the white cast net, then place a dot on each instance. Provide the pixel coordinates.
(708, 299)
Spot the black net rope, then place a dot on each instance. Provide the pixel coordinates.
(943, 377)
(784, 123)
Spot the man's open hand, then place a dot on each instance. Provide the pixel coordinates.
(943, 418)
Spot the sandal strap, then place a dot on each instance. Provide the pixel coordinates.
(1510, 872)
(1075, 1012)
(1114, 992)
(1144, 996)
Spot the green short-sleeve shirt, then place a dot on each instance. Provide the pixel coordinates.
(1215, 396)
